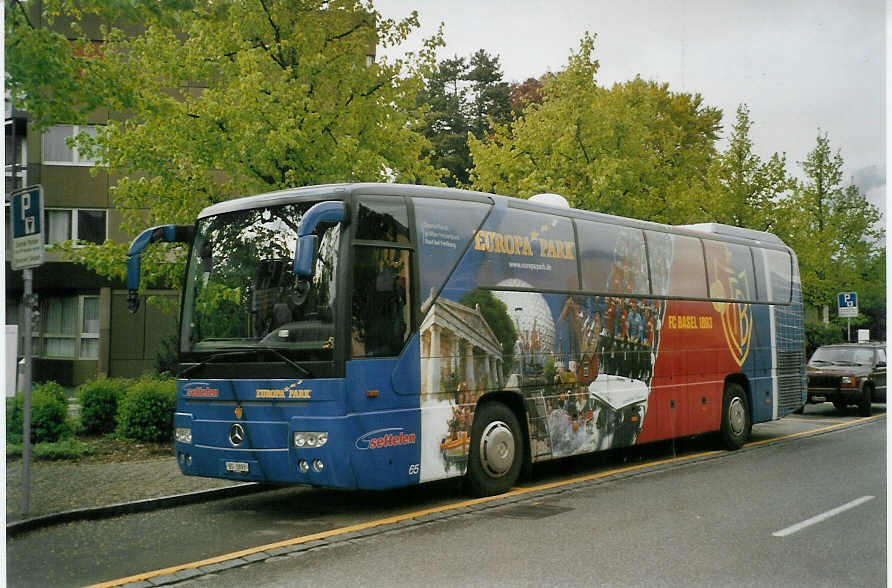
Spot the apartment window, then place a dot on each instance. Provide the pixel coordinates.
(76, 224)
(16, 169)
(55, 145)
(89, 327)
(69, 328)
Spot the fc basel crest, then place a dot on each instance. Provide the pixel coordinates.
(737, 323)
(737, 317)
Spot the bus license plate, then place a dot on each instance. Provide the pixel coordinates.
(238, 467)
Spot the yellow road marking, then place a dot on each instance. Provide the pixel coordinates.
(452, 506)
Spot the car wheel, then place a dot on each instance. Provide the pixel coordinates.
(840, 405)
(497, 450)
(736, 421)
(864, 404)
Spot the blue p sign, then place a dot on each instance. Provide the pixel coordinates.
(26, 213)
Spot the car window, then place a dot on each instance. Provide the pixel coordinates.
(843, 355)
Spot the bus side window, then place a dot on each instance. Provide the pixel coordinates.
(382, 305)
(779, 275)
(383, 219)
(729, 267)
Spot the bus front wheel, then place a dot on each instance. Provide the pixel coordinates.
(736, 422)
(496, 450)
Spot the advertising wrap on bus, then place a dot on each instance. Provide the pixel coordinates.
(433, 333)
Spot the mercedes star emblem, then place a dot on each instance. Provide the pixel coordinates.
(236, 434)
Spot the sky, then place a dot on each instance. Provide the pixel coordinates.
(800, 65)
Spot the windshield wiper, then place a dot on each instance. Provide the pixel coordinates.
(246, 351)
(213, 357)
(286, 359)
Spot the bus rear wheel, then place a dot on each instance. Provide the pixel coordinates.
(496, 450)
(736, 423)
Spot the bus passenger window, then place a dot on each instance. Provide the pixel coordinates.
(778, 270)
(382, 305)
(729, 267)
(676, 265)
(613, 258)
(384, 219)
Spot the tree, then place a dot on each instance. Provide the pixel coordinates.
(490, 96)
(525, 93)
(833, 229)
(446, 122)
(636, 149)
(748, 191)
(233, 98)
(465, 96)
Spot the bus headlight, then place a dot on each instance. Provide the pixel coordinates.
(183, 435)
(310, 439)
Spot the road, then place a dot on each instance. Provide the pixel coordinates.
(674, 515)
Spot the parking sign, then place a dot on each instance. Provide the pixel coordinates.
(27, 228)
(847, 304)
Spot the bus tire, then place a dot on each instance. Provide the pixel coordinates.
(864, 408)
(497, 450)
(736, 422)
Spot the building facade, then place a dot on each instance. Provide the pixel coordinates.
(82, 328)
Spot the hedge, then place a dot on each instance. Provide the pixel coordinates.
(49, 414)
(99, 404)
(146, 411)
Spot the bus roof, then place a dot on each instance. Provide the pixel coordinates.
(340, 191)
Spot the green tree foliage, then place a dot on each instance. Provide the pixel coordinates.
(747, 191)
(490, 95)
(496, 315)
(230, 98)
(833, 229)
(465, 96)
(636, 149)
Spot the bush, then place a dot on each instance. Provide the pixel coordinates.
(99, 404)
(49, 414)
(817, 334)
(52, 389)
(146, 411)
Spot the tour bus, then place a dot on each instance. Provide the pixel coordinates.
(379, 335)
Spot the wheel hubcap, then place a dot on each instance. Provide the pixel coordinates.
(497, 449)
(737, 416)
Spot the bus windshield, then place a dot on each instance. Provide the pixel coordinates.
(241, 292)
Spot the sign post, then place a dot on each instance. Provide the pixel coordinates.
(27, 253)
(847, 306)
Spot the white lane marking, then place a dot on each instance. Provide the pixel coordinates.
(822, 517)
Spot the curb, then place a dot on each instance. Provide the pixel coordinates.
(148, 504)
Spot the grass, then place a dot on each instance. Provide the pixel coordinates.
(87, 449)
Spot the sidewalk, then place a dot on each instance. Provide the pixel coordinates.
(59, 487)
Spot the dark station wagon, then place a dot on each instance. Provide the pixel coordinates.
(848, 373)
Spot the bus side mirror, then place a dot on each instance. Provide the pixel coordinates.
(163, 233)
(307, 241)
